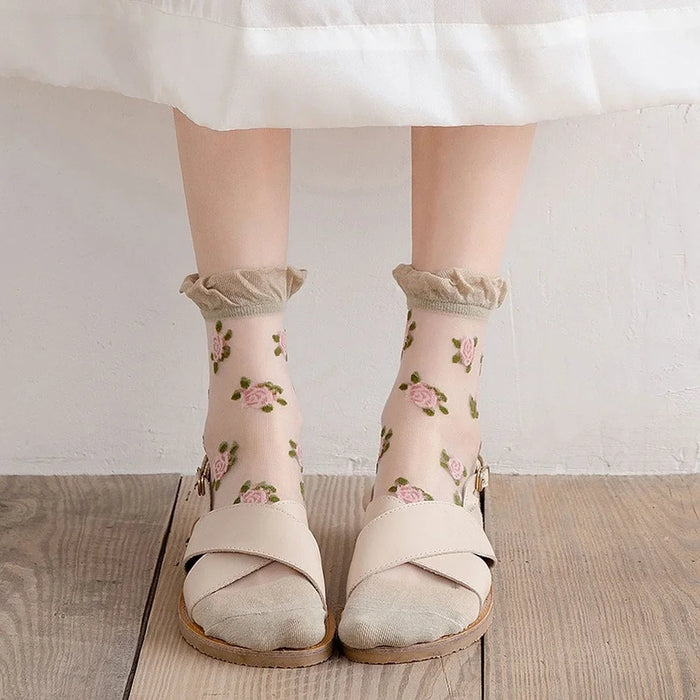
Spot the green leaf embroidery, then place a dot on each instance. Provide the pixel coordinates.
(274, 499)
(227, 336)
(282, 402)
(236, 395)
(472, 407)
(216, 367)
(401, 480)
(443, 409)
(218, 326)
(430, 411)
(456, 358)
(245, 382)
(457, 343)
(267, 408)
(403, 387)
(246, 485)
(276, 337)
(223, 447)
(457, 499)
(278, 351)
(415, 378)
(392, 489)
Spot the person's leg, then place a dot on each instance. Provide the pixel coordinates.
(237, 193)
(465, 187)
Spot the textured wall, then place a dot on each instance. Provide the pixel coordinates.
(593, 362)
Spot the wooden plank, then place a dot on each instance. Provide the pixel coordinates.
(596, 591)
(169, 668)
(78, 559)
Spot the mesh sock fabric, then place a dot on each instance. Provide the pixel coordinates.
(429, 444)
(252, 441)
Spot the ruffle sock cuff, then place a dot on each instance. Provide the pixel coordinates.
(236, 293)
(454, 290)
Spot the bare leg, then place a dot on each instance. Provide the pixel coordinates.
(465, 187)
(237, 192)
(466, 182)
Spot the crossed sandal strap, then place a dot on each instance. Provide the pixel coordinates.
(435, 535)
(259, 531)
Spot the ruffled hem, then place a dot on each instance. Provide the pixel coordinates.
(236, 293)
(454, 290)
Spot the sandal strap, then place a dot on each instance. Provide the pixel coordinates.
(420, 533)
(262, 530)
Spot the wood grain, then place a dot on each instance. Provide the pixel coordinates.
(78, 558)
(596, 588)
(169, 668)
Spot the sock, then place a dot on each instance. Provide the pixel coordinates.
(429, 443)
(252, 443)
(252, 431)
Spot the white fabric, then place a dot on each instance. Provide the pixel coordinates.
(268, 63)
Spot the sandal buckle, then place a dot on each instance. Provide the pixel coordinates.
(482, 474)
(202, 476)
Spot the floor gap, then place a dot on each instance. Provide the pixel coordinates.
(151, 595)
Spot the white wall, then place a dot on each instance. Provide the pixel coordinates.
(594, 362)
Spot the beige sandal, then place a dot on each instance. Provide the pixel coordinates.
(258, 533)
(438, 536)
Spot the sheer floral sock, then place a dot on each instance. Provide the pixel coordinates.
(252, 442)
(430, 440)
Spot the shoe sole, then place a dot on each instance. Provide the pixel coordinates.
(426, 650)
(194, 635)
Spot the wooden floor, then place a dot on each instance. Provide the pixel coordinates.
(595, 594)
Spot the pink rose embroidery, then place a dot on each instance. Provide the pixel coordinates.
(428, 398)
(281, 339)
(257, 396)
(407, 492)
(454, 467)
(466, 349)
(220, 466)
(223, 462)
(263, 395)
(220, 350)
(260, 493)
(217, 346)
(255, 496)
(422, 395)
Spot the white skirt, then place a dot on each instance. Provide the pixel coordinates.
(229, 64)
